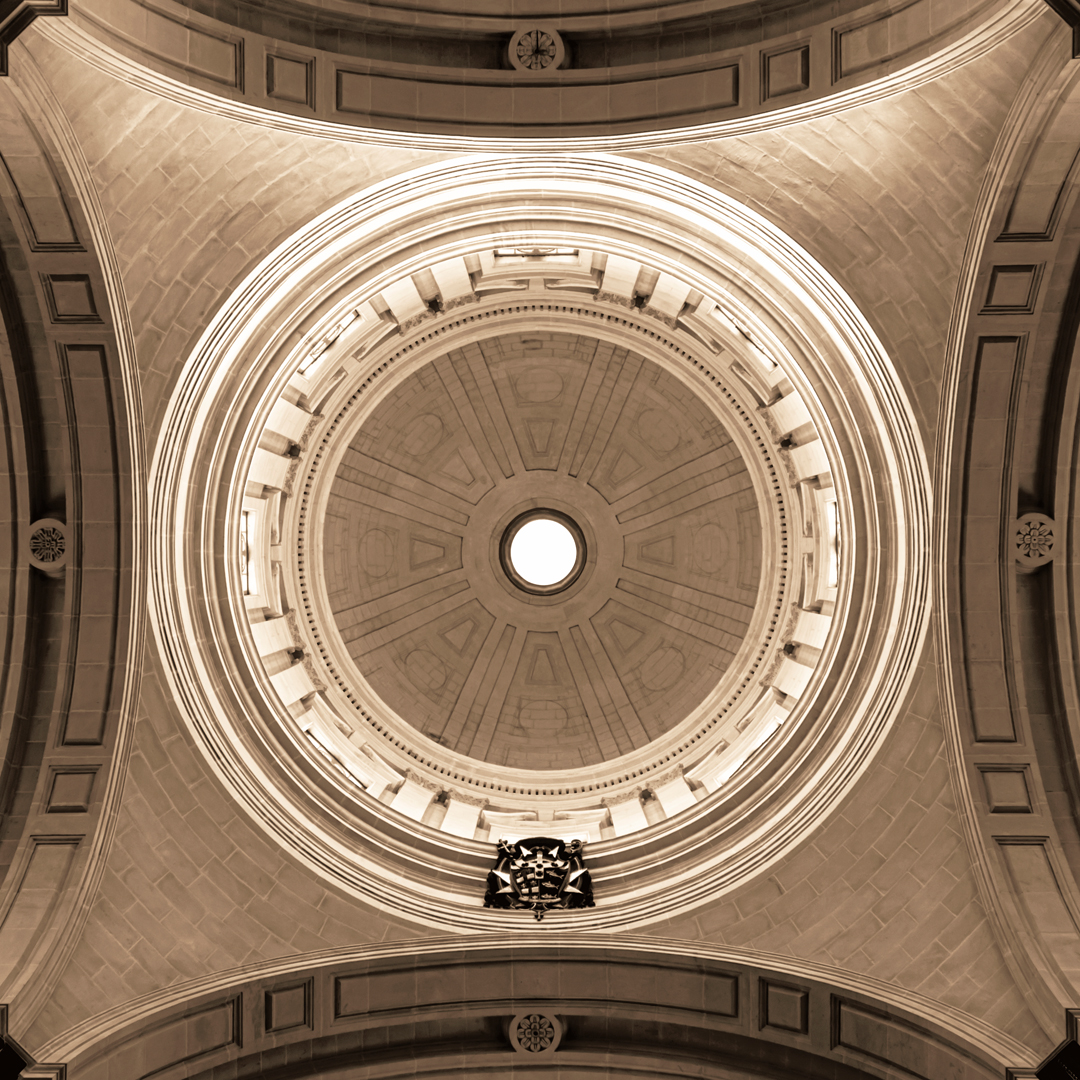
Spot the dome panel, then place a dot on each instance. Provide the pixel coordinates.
(477, 661)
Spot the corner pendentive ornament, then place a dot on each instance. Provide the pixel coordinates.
(539, 874)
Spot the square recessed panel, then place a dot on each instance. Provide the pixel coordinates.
(785, 72)
(70, 298)
(84, 727)
(288, 1007)
(70, 792)
(785, 1008)
(1012, 290)
(290, 79)
(1007, 791)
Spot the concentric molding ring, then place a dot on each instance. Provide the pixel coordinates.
(835, 361)
(729, 702)
(506, 543)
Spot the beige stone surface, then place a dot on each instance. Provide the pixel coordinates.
(883, 195)
(193, 886)
(886, 887)
(194, 201)
(450, 459)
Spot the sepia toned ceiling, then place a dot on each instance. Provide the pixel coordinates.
(248, 830)
(446, 638)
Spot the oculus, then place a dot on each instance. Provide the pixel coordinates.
(543, 551)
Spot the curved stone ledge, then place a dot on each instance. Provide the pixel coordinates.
(1014, 753)
(719, 250)
(760, 1007)
(615, 91)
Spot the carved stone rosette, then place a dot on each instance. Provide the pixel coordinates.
(535, 1033)
(1034, 540)
(536, 50)
(48, 546)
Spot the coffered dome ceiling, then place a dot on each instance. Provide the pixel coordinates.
(442, 633)
(367, 424)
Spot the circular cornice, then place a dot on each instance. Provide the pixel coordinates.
(724, 712)
(719, 248)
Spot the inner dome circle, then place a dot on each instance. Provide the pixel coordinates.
(543, 551)
(648, 633)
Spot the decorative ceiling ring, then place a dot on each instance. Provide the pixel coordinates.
(233, 382)
(700, 733)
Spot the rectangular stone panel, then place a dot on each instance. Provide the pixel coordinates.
(785, 72)
(84, 370)
(699, 92)
(365, 993)
(1040, 195)
(84, 727)
(1006, 790)
(858, 48)
(1050, 914)
(289, 78)
(43, 209)
(784, 1007)
(40, 887)
(196, 50)
(288, 1007)
(70, 791)
(997, 379)
(179, 1042)
(900, 1045)
(70, 298)
(1012, 290)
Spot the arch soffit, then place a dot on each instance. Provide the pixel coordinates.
(208, 1025)
(237, 93)
(994, 733)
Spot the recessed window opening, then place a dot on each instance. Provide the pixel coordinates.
(535, 252)
(245, 553)
(832, 526)
(327, 340)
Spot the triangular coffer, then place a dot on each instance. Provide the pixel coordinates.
(457, 637)
(539, 435)
(625, 635)
(626, 465)
(542, 673)
(454, 468)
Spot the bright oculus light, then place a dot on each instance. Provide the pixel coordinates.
(543, 551)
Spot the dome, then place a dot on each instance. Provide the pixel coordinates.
(398, 421)
(418, 572)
